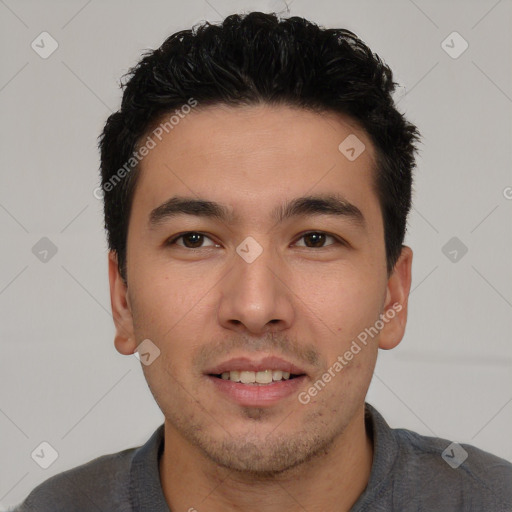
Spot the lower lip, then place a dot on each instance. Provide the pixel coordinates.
(254, 395)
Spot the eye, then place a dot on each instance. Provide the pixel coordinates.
(316, 239)
(191, 240)
(195, 240)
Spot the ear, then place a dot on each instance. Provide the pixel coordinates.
(124, 340)
(397, 296)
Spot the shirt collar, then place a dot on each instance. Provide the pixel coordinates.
(385, 451)
(146, 494)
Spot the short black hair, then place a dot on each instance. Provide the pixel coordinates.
(250, 59)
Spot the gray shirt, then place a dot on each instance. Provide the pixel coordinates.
(410, 472)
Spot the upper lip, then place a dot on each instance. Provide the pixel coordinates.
(255, 365)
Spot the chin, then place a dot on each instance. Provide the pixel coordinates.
(266, 455)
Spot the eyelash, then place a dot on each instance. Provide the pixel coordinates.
(337, 240)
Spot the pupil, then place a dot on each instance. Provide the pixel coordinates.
(320, 238)
(198, 239)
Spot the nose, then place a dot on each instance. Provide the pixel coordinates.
(256, 297)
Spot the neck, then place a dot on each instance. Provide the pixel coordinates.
(333, 480)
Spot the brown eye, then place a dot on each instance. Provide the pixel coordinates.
(316, 239)
(191, 240)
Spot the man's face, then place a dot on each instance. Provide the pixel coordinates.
(215, 301)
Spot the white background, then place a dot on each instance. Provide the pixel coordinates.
(63, 382)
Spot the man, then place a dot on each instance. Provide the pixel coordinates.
(257, 181)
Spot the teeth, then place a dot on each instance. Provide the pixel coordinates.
(249, 377)
(264, 377)
(277, 375)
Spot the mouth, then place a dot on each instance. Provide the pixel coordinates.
(260, 378)
(253, 383)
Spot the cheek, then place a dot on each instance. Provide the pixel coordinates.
(163, 295)
(345, 304)
(167, 310)
(344, 301)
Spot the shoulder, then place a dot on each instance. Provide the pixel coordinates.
(110, 482)
(92, 486)
(414, 472)
(454, 473)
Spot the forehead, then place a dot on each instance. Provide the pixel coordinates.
(252, 157)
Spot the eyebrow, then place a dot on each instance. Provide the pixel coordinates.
(324, 204)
